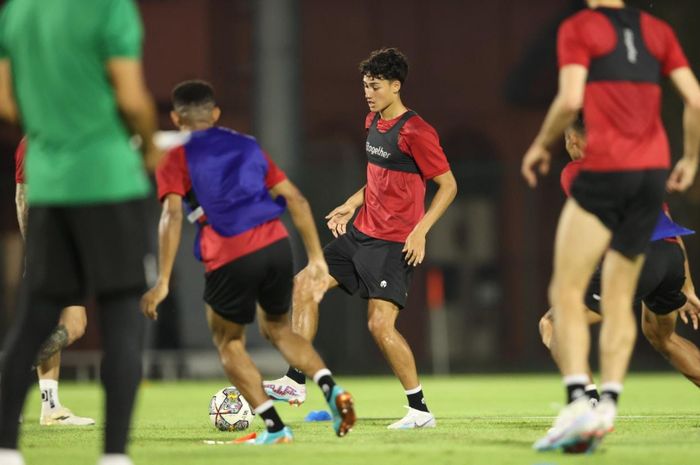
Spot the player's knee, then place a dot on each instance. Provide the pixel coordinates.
(379, 326)
(75, 324)
(658, 341)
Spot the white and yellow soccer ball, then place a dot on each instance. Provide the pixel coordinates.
(229, 411)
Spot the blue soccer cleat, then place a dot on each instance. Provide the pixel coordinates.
(283, 436)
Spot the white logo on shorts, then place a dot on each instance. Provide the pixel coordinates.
(596, 297)
(382, 284)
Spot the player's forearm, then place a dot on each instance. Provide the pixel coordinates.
(691, 131)
(141, 119)
(300, 211)
(22, 209)
(357, 199)
(560, 116)
(8, 106)
(445, 195)
(169, 232)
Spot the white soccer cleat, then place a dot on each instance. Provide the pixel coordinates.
(11, 457)
(285, 389)
(63, 416)
(415, 419)
(576, 423)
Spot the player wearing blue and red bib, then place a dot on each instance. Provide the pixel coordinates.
(235, 194)
(665, 290)
(616, 57)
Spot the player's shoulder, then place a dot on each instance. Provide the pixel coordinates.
(416, 124)
(369, 118)
(649, 21)
(583, 21)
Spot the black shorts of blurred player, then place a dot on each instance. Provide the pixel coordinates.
(661, 299)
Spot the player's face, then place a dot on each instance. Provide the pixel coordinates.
(575, 143)
(380, 93)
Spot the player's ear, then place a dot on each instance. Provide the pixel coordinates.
(216, 114)
(175, 118)
(396, 86)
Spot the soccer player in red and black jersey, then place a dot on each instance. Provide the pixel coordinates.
(665, 290)
(377, 253)
(235, 194)
(616, 57)
(71, 327)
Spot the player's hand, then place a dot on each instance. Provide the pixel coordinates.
(314, 279)
(152, 298)
(414, 248)
(691, 309)
(536, 159)
(339, 218)
(683, 175)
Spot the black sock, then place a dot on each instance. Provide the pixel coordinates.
(574, 391)
(610, 395)
(593, 394)
(272, 420)
(296, 375)
(326, 384)
(417, 401)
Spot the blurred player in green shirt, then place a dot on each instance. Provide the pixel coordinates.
(71, 75)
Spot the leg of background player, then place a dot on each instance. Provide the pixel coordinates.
(229, 339)
(71, 327)
(381, 320)
(660, 331)
(36, 318)
(292, 387)
(619, 329)
(122, 328)
(580, 242)
(550, 341)
(300, 353)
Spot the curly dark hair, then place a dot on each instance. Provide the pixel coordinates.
(386, 63)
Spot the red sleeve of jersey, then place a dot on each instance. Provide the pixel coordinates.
(568, 174)
(19, 161)
(171, 175)
(274, 174)
(571, 45)
(665, 209)
(663, 44)
(420, 140)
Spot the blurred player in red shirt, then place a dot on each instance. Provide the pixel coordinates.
(616, 57)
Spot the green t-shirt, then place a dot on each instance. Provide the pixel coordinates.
(78, 145)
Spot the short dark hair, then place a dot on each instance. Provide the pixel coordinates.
(579, 124)
(194, 93)
(386, 63)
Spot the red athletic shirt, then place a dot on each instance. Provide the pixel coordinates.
(173, 177)
(19, 161)
(395, 200)
(623, 121)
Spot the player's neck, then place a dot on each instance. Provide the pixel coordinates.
(392, 111)
(606, 3)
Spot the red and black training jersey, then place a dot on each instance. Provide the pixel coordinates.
(172, 177)
(395, 200)
(620, 48)
(19, 161)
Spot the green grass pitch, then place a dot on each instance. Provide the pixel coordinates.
(489, 420)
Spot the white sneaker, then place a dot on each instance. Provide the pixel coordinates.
(285, 389)
(63, 416)
(415, 419)
(576, 423)
(11, 457)
(607, 412)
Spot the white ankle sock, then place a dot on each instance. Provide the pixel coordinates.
(49, 395)
(11, 457)
(115, 459)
